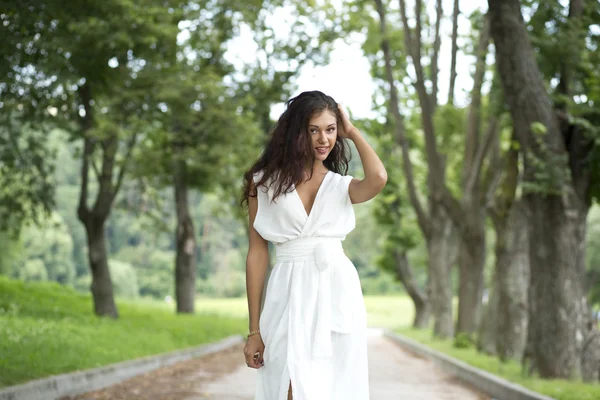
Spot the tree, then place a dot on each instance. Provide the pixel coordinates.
(83, 58)
(437, 235)
(468, 213)
(557, 183)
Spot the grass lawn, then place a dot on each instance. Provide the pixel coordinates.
(383, 311)
(511, 371)
(48, 329)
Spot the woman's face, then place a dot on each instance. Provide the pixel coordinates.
(322, 129)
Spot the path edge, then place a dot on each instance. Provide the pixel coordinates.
(496, 387)
(75, 383)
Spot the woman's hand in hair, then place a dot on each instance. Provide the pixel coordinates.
(347, 130)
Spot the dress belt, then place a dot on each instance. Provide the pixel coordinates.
(334, 308)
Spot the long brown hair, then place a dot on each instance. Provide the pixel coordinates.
(289, 148)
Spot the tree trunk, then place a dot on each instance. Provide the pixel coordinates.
(419, 298)
(488, 329)
(101, 287)
(512, 281)
(441, 253)
(185, 256)
(106, 145)
(557, 211)
(512, 269)
(559, 323)
(471, 262)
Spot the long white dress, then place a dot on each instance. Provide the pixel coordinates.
(313, 322)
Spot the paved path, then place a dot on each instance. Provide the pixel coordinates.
(393, 372)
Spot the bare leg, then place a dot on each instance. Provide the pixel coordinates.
(290, 392)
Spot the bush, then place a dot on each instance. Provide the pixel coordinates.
(463, 340)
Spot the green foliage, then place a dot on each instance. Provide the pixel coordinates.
(463, 340)
(32, 270)
(511, 370)
(566, 50)
(551, 173)
(26, 166)
(124, 280)
(593, 256)
(392, 210)
(47, 329)
(9, 252)
(154, 269)
(51, 247)
(125, 283)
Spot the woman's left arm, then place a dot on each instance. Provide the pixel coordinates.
(375, 173)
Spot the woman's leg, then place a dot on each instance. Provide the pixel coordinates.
(290, 392)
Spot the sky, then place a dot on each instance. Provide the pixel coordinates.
(347, 77)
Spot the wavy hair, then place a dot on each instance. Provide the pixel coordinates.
(289, 148)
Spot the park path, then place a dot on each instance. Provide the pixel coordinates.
(393, 372)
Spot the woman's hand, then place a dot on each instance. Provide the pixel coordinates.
(348, 130)
(253, 351)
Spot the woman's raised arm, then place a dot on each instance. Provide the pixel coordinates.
(375, 173)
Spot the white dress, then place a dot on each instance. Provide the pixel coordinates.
(313, 322)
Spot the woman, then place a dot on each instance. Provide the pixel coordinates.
(309, 342)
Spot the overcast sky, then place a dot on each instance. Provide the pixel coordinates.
(347, 77)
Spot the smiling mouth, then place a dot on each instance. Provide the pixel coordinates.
(322, 150)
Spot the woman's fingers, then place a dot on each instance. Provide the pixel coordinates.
(346, 124)
(254, 359)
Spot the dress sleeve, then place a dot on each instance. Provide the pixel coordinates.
(346, 179)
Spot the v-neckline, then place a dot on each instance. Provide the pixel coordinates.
(309, 213)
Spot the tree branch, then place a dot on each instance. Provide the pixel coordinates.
(436, 51)
(400, 134)
(493, 174)
(82, 208)
(94, 167)
(130, 145)
(418, 28)
(491, 136)
(105, 190)
(86, 122)
(436, 171)
(505, 197)
(473, 146)
(455, 14)
(576, 9)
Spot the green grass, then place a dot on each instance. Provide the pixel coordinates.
(383, 311)
(48, 329)
(389, 311)
(236, 307)
(511, 371)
